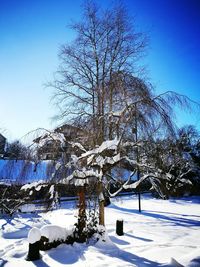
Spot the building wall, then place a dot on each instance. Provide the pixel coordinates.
(2, 143)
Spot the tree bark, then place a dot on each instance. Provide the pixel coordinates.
(101, 204)
(82, 209)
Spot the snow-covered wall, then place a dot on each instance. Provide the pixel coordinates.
(23, 171)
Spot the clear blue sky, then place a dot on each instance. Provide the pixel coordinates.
(32, 31)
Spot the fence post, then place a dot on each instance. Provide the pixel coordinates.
(119, 227)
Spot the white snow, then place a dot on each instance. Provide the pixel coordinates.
(100, 161)
(75, 144)
(101, 197)
(58, 165)
(195, 256)
(82, 177)
(51, 191)
(81, 182)
(34, 235)
(36, 185)
(55, 232)
(27, 208)
(165, 233)
(109, 144)
(52, 137)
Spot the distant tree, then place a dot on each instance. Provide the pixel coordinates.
(189, 145)
(178, 159)
(188, 137)
(16, 150)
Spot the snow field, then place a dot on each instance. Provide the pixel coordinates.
(166, 232)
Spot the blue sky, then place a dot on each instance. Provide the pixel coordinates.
(32, 31)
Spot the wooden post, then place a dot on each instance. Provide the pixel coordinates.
(34, 237)
(119, 227)
(34, 251)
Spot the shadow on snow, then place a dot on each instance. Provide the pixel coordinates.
(23, 227)
(177, 221)
(67, 255)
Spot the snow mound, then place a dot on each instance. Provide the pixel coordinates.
(192, 259)
(34, 235)
(175, 263)
(55, 233)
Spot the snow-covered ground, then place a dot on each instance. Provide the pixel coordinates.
(166, 232)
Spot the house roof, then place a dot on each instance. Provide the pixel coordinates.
(2, 137)
(66, 129)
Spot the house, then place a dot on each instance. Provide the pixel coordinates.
(52, 148)
(72, 133)
(2, 145)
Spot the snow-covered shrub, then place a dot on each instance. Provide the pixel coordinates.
(51, 236)
(91, 227)
(100, 235)
(11, 198)
(54, 235)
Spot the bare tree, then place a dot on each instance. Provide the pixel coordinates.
(17, 150)
(98, 87)
(98, 82)
(106, 44)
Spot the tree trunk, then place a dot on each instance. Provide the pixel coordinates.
(110, 110)
(82, 207)
(101, 204)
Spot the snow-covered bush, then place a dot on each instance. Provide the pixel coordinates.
(91, 226)
(55, 233)
(50, 236)
(11, 198)
(177, 163)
